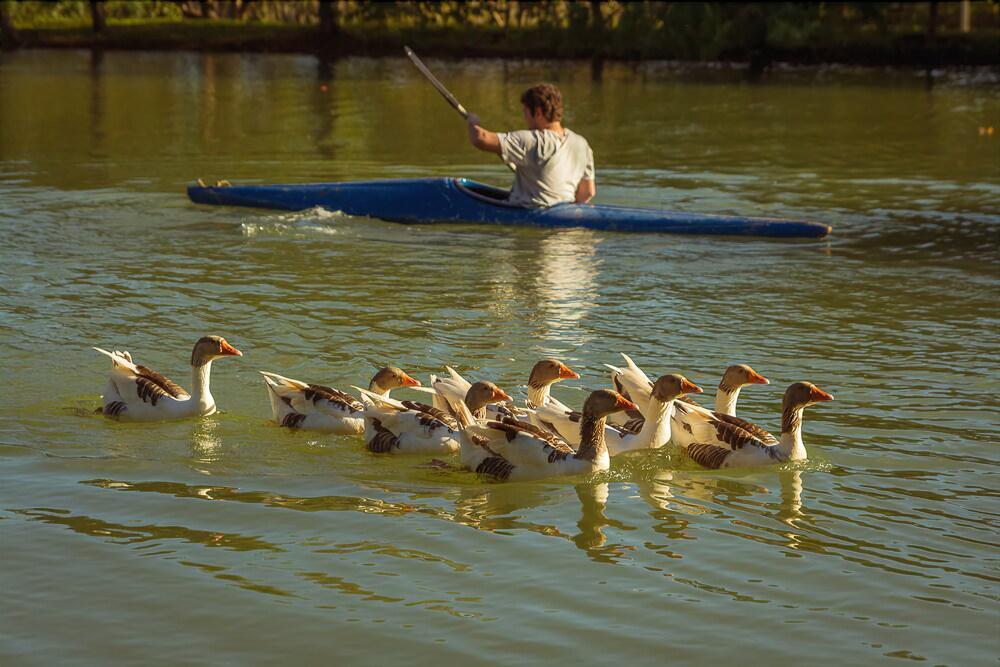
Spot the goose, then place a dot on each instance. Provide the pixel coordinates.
(746, 450)
(733, 380)
(693, 423)
(544, 374)
(406, 427)
(522, 453)
(450, 391)
(653, 432)
(299, 405)
(137, 393)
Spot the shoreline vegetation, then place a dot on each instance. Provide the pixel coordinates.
(919, 34)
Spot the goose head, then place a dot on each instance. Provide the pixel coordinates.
(740, 375)
(482, 393)
(803, 394)
(604, 402)
(672, 386)
(210, 348)
(391, 377)
(549, 371)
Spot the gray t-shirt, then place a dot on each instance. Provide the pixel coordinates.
(549, 166)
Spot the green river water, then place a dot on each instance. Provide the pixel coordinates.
(231, 540)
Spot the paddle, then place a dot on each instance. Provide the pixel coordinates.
(449, 98)
(445, 93)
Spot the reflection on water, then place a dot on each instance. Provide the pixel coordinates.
(568, 269)
(142, 534)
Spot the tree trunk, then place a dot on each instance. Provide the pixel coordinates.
(328, 18)
(97, 16)
(966, 16)
(8, 35)
(932, 20)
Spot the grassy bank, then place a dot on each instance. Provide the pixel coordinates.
(898, 49)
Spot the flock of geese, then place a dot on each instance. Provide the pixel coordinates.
(479, 421)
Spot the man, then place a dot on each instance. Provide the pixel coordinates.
(553, 165)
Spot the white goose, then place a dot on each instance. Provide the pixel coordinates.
(137, 393)
(297, 404)
(521, 453)
(733, 380)
(653, 432)
(693, 423)
(544, 374)
(745, 450)
(450, 391)
(406, 427)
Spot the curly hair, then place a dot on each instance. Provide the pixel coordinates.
(545, 97)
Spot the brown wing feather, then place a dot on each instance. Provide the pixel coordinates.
(433, 413)
(317, 392)
(496, 466)
(384, 440)
(633, 425)
(734, 436)
(707, 455)
(166, 386)
(751, 428)
(540, 433)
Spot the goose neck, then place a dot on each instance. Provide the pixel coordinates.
(200, 380)
(592, 444)
(538, 395)
(725, 399)
(791, 445)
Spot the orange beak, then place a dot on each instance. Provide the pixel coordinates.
(756, 378)
(410, 382)
(226, 348)
(500, 395)
(688, 387)
(565, 373)
(817, 395)
(625, 404)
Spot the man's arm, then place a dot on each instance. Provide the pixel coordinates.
(585, 191)
(481, 138)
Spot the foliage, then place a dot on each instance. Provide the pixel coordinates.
(639, 29)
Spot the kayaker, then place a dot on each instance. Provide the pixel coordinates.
(553, 164)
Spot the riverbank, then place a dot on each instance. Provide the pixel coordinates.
(900, 50)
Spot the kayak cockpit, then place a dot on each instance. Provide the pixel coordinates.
(485, 193)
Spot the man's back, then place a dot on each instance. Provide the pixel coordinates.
(549, 165)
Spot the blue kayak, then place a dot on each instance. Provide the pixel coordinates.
(433, 200)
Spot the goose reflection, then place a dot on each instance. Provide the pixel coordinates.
(790, 510)
(500, 507)
(591, 538)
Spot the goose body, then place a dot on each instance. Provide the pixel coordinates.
(690, 419)
(139, 394)
(448, 393)
(693, 423)
(406, 427)
(652, 433)
(510, 451)
(746, 450)
(301, 405)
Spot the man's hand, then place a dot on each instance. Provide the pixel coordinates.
(482, 139)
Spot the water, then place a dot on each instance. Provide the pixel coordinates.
(230, 540)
